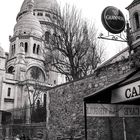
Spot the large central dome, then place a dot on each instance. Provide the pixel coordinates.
(40, 5)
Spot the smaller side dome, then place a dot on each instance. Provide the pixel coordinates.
(28, 24)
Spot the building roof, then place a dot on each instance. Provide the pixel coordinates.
(135, 2)
(122, 80)
(40, 5)
(124, 54)
(28, 23)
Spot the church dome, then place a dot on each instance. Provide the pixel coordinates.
(28, 24)
(40, 5)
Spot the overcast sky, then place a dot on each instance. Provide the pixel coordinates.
(91, 9)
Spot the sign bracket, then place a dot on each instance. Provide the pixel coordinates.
(112, 37)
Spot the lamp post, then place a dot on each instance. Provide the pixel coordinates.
(124, 128)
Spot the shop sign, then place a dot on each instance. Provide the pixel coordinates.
(128, 111)
(101, 110)
(126, 93)
(113, 20)
(111, 110)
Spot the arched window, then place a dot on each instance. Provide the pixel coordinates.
(40, 14)
(47, 15)
(14, 48)
(26, 47)
(21, 44)
(44, 100)
(35, 73)
(9, 92)
(38, 104)
(34, 48)
(47, 36)
(137, 22)
(10, 70)
(38, 47)
(53, 40)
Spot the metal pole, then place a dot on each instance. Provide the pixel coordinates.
(110, 128)
(124, 129)
(85, 117)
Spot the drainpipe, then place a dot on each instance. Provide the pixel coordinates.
(124, 129)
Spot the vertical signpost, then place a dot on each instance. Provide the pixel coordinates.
(114, 22)
(124, 128)
(111, 110)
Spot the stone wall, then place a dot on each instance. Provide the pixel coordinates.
(66, 111)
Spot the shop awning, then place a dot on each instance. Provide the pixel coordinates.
(104, 95)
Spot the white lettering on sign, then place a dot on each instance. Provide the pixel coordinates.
(101, 110)
(109, 110)
(108, 17)
(125, 93)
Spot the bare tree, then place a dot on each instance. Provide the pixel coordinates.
(73, 49)
(34, 91)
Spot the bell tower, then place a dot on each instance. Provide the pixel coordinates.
(134, 14)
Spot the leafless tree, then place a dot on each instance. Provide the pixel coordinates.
(34, 90)
(73, 49)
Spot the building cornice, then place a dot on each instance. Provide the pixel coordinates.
(41, 85)
(134, 3)
(43, 10)
(29, 57)
(24, 37)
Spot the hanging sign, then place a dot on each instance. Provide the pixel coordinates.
(126, 93)
(113, 20)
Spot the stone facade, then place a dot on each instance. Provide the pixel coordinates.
(27, 44)
(66, 107)
(65, 103)
(26, 53)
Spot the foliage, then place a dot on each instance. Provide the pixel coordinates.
(73, 49)
(34, 92)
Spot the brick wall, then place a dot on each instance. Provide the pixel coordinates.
(66, 117)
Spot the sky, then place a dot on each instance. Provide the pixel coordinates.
(90, 9)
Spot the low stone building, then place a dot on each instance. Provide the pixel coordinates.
(67, 104)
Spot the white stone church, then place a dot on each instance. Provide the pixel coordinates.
(25, 53)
